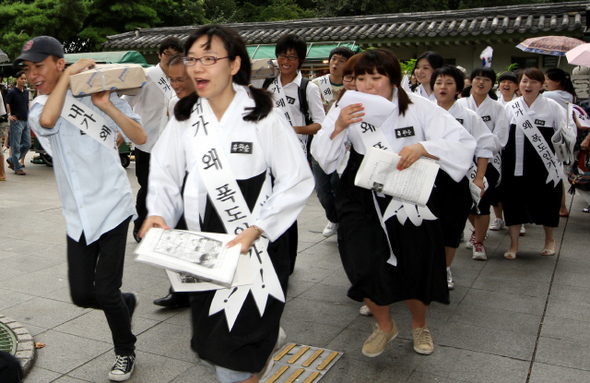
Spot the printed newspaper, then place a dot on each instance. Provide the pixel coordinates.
(203, 255)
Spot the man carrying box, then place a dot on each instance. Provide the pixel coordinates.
(151, 103)
(97, 202)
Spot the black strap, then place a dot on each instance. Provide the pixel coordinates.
(302, 93)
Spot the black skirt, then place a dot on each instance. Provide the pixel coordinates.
(529, 198)
(456, 202)
(252, 339)
(421, 266)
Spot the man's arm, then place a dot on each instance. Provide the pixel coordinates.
(55, 102)
(132, 129)
(315, 108)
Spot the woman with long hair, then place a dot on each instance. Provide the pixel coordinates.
(426, 64)
(397, 256)
(246, 175)
(531, 179)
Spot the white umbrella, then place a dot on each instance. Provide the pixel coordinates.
(579, 55)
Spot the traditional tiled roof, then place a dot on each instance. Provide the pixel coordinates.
(567, 18)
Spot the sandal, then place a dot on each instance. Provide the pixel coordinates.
(548, 252)
(2, 178)
(510, 255)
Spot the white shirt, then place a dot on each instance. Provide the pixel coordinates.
(274, 147)
(93, 186)
(152, 105)
(420, 91)
(487, 143)
(492, 113)
(171, 106)
(291, 90)
(560, 96)
(433, 127)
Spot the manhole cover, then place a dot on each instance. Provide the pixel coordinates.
(8, 340)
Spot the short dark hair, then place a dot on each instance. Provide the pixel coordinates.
(563, 78)
(449, 71)
(292, 41)
(170, 42)
(342, 51)
(386, 63)
(508, 76)
(532, 73)
(19, 73)
(484, 71)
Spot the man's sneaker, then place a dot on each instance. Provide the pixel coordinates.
(281, 340)
(123, 368)
(469, 244)
(522, 230)
(479, 251)
(450, 282)
(131, 301)
(330, 229)
(365, 311)
(586, 209)
(376, 343)
(423, 341)
(497, 225)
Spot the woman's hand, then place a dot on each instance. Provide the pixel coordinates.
(348, 115)
(409, 155)
(479, 183)
(152, 221)
(246, 238)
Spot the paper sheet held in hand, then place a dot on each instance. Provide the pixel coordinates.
(379, 172)
(203, 255)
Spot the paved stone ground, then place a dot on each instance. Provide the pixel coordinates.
(509, 321)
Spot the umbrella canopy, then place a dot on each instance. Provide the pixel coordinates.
(3, 57)
(549, 45)
(580, 55)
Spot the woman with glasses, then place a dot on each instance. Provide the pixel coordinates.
(245, 174)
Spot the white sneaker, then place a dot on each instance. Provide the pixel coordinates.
(522, 230)
(479, 251)
(330, 229)
(365, 311)
(497, 225)
(469, 244)
(450, 282)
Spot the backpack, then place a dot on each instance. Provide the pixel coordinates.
(302, 92)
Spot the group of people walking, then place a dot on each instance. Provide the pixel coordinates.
(233, 158)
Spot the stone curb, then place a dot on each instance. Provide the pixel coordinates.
(25, 349)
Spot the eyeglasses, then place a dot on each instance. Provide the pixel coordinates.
(205, 60)
(290, 58)
(348, 78)
(169, 53)
(179, 80)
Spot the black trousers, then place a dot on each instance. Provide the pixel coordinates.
(142, 172)
(95, 273)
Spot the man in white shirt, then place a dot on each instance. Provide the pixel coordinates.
(326, 184)
(97, 201)
(151, 103)
(289, 88)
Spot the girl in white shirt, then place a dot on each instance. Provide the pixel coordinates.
(426, 64)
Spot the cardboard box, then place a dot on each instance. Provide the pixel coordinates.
(263, 68)
(115, 77)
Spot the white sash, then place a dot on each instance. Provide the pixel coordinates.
(159, 78)
(227, 198)
(497, 160)
(372, 136)
(326, 88)
(532, 133)
(88, 120)
(276, 88)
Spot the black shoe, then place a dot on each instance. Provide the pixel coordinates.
(123, 368)
(173, 301)
(131, 301)
(136, 237)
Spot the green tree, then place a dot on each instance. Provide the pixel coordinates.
(21, 21)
